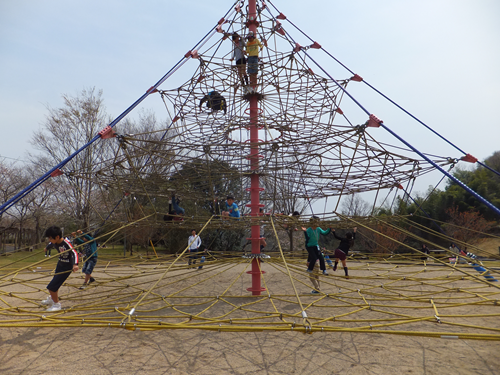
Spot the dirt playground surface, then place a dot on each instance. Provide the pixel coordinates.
(105, 350)
(111, 351)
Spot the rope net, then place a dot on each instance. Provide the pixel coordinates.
(392, 294)
(310, 149)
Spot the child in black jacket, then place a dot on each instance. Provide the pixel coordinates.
(343, 249)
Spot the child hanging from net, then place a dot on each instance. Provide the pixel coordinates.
(215, 102)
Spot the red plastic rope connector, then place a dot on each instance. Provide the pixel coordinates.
(279, 29)
(193, 54)
(339, 111)
(56, 173)
(399, 186)
(315, 45)
(151, 90)
(374, 122)
(469, 158)
(281, 16)
(297, 48)
(356, 78)
(310, 71)
(107, 132)
(221, 21)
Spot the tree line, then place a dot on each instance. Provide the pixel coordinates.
(139, 172)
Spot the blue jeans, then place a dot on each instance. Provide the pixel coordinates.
(192, 258)
(253, 64)
(89, 265)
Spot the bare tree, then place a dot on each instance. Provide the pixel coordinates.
(467, 226)
(9, 185)
(354, 205)
(64, 131)
(40, 206)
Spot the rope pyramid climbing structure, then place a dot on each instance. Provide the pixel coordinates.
(277, 132)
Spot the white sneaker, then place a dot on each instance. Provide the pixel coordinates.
(54, 307)
(45, 255)
(47, 301)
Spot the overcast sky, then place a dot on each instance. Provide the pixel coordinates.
(439, 59)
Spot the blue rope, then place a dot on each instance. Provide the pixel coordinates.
(44, 177)
(383, 95)
(451, 177)
(22, 194)
(458, 182)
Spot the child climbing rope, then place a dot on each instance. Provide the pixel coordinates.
(232, 209)
(215, 101)
(68, 261)
(241, 61)
(314, 278)
(343, 249)
(312, 246)
(90, 253)
(253, 47)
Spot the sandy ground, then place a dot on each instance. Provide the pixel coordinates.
(85, 350)
(112, 351)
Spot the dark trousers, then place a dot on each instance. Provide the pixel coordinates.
(192, 258)
(314, 253)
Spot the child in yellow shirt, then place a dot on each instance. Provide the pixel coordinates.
(253, 47)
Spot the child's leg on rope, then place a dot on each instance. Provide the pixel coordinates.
(319, 255)
(344, 263)
(336, 264)
(315, 281)
(241, 72)
(312, 257)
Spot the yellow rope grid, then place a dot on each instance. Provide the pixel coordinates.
(391, 295)
(387, 293)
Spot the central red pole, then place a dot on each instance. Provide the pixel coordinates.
(255, 188)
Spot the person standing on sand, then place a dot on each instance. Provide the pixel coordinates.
(194, 243)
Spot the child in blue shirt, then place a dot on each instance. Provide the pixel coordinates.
(232, 209)
(90, 252)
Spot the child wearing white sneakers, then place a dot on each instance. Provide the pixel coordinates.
(68, 261)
